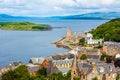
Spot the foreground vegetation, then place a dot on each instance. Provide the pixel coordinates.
(22, 73)
(23, 26)
(110, 31)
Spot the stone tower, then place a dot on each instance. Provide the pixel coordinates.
(68, 35)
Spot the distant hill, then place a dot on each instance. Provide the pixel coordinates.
(5, 16)
(110, 31)
(96, 15)
(10, 18)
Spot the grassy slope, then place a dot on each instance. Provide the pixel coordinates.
(23, 26)
(109, 30)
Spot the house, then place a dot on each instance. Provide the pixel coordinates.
(50, 68)
(15, 64)
(111, 48)
(93, 58)
(101, 70)
(33, 68)
(36, 61)
(91, 41)
(117, 56)
(4, 69)
(66, 63)
(106, 71)
(84, 68)
(61, 56)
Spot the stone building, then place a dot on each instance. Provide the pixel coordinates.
(66, 63)
(75, 37)
(101, 70)
(107, 71)
(68, 35)
(111, 48)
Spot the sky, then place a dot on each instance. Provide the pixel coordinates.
(57, 7)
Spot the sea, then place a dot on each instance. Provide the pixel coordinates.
(23, 45)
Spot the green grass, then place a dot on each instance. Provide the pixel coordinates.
(23, 26)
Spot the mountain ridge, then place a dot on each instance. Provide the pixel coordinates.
(95, 15)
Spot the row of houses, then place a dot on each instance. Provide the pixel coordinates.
(93, 67)
(52, 64)
(101, 70)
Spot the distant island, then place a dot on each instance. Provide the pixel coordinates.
(110, 31)
(26, 26)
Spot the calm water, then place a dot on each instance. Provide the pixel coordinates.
(22, 45)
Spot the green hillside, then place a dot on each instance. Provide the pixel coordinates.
(110, 31)
(23, 26)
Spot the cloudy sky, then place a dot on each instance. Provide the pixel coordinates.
(57, 7)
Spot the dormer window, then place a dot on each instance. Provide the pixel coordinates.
(110, 67)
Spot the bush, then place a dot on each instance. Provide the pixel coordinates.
(76, 78)
(103, 56)
(83, 57)
(82, 41)
(95, 78)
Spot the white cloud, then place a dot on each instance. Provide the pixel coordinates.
(56, 7)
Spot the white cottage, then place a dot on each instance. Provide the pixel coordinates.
(91, 41)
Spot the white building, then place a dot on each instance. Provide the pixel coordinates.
(117, 55)
(91, 41)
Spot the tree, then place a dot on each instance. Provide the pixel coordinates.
(110, 31)
(68, 75)
(82, 41)
(20, 73)
(103, 56)
(118, 77)
(83, 57)
(57, 76)
(76, 78)
(8, 75)
(95, 78)
(42, 72)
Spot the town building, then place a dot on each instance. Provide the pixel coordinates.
(91, 41)
(111, 48)
(68, 35)
(117, 56)
(15, 64)
(101, 70)
(66, 63)
(73, 38)
(37, 61)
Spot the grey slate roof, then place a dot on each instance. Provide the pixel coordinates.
(104, 68)
(94, 58)
(62, 61)
(85, 67)
(17, 63)
(37, 60)
(112, 45)
(91, 51)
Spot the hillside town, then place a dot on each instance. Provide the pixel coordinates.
(87, 58)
